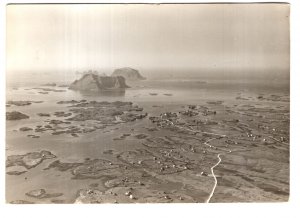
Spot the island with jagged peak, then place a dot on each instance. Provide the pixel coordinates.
(128, 73)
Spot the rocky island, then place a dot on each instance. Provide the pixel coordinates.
(210, 124)
(128, 73)
(93, 82)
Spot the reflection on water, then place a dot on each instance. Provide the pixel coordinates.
(103, 93)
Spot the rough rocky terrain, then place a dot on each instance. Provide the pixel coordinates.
(214, 151)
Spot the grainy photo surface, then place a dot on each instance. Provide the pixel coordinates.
(141, 103)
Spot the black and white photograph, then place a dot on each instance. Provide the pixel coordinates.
(147, 103)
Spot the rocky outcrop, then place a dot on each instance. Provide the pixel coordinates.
(41, 193)
(22, 103)
(29, 160)
(93, 82)
(15, 115)
(128, 73)
(25, 128)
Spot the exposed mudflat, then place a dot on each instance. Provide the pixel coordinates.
(91, 149)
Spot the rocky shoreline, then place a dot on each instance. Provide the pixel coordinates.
(171, 160)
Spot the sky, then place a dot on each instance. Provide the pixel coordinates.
(200, 37)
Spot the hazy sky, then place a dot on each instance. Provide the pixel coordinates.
(247, 37)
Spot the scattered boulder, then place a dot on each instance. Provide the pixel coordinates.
(192, 107)
(90, 196)
(25, 129)
(43, 114)
(127, 195)
(203, 174)
(168, 115)
(189, 113)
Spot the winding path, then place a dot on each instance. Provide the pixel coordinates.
(215, 178)
(212, 169)
(219, 154)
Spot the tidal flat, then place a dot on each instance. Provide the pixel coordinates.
(156, 143)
